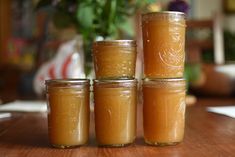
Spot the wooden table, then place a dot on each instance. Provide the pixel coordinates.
(206, 134)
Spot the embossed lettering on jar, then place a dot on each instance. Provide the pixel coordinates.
(115, 112)
(164, 42)
(114, 59)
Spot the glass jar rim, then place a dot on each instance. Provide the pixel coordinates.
(116, 42)
(171, 16)
(165, 82)
(163, 79)
(115, 83)
(66, 81)
(176, 13)
(114, 80)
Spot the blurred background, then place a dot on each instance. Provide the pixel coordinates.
(33, 31)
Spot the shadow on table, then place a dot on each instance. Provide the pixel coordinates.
(138, 142)
(29, 130)
(37, 140)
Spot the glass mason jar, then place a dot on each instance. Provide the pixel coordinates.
(68, 112)
(163, 44)
(114, 59)
(115, 112)
(164, 111)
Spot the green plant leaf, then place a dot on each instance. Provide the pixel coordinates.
(150, 1)
(85, 15)
(127, 27)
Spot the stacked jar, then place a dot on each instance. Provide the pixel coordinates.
(115, 92)
(163, 85)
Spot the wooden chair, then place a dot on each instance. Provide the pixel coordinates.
(213, 81)
(194, 46)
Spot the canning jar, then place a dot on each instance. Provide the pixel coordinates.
(163, 111)
(115, 112)
(163, 44)
(68, 112)
(114, 59)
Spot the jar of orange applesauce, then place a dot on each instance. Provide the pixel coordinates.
(68, 112)
(114, 59)
(163, 111)
(163, 44)
(115, 112)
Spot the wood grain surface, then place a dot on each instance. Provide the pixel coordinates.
(206, 134)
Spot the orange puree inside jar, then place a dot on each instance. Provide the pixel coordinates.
(115, 112)
(114, 59)
(68, 112)
(163, 111)
(163, 44)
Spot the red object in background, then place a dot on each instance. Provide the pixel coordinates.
(65, 66)
(67, 63)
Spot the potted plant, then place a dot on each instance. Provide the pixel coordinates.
(94, 19)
